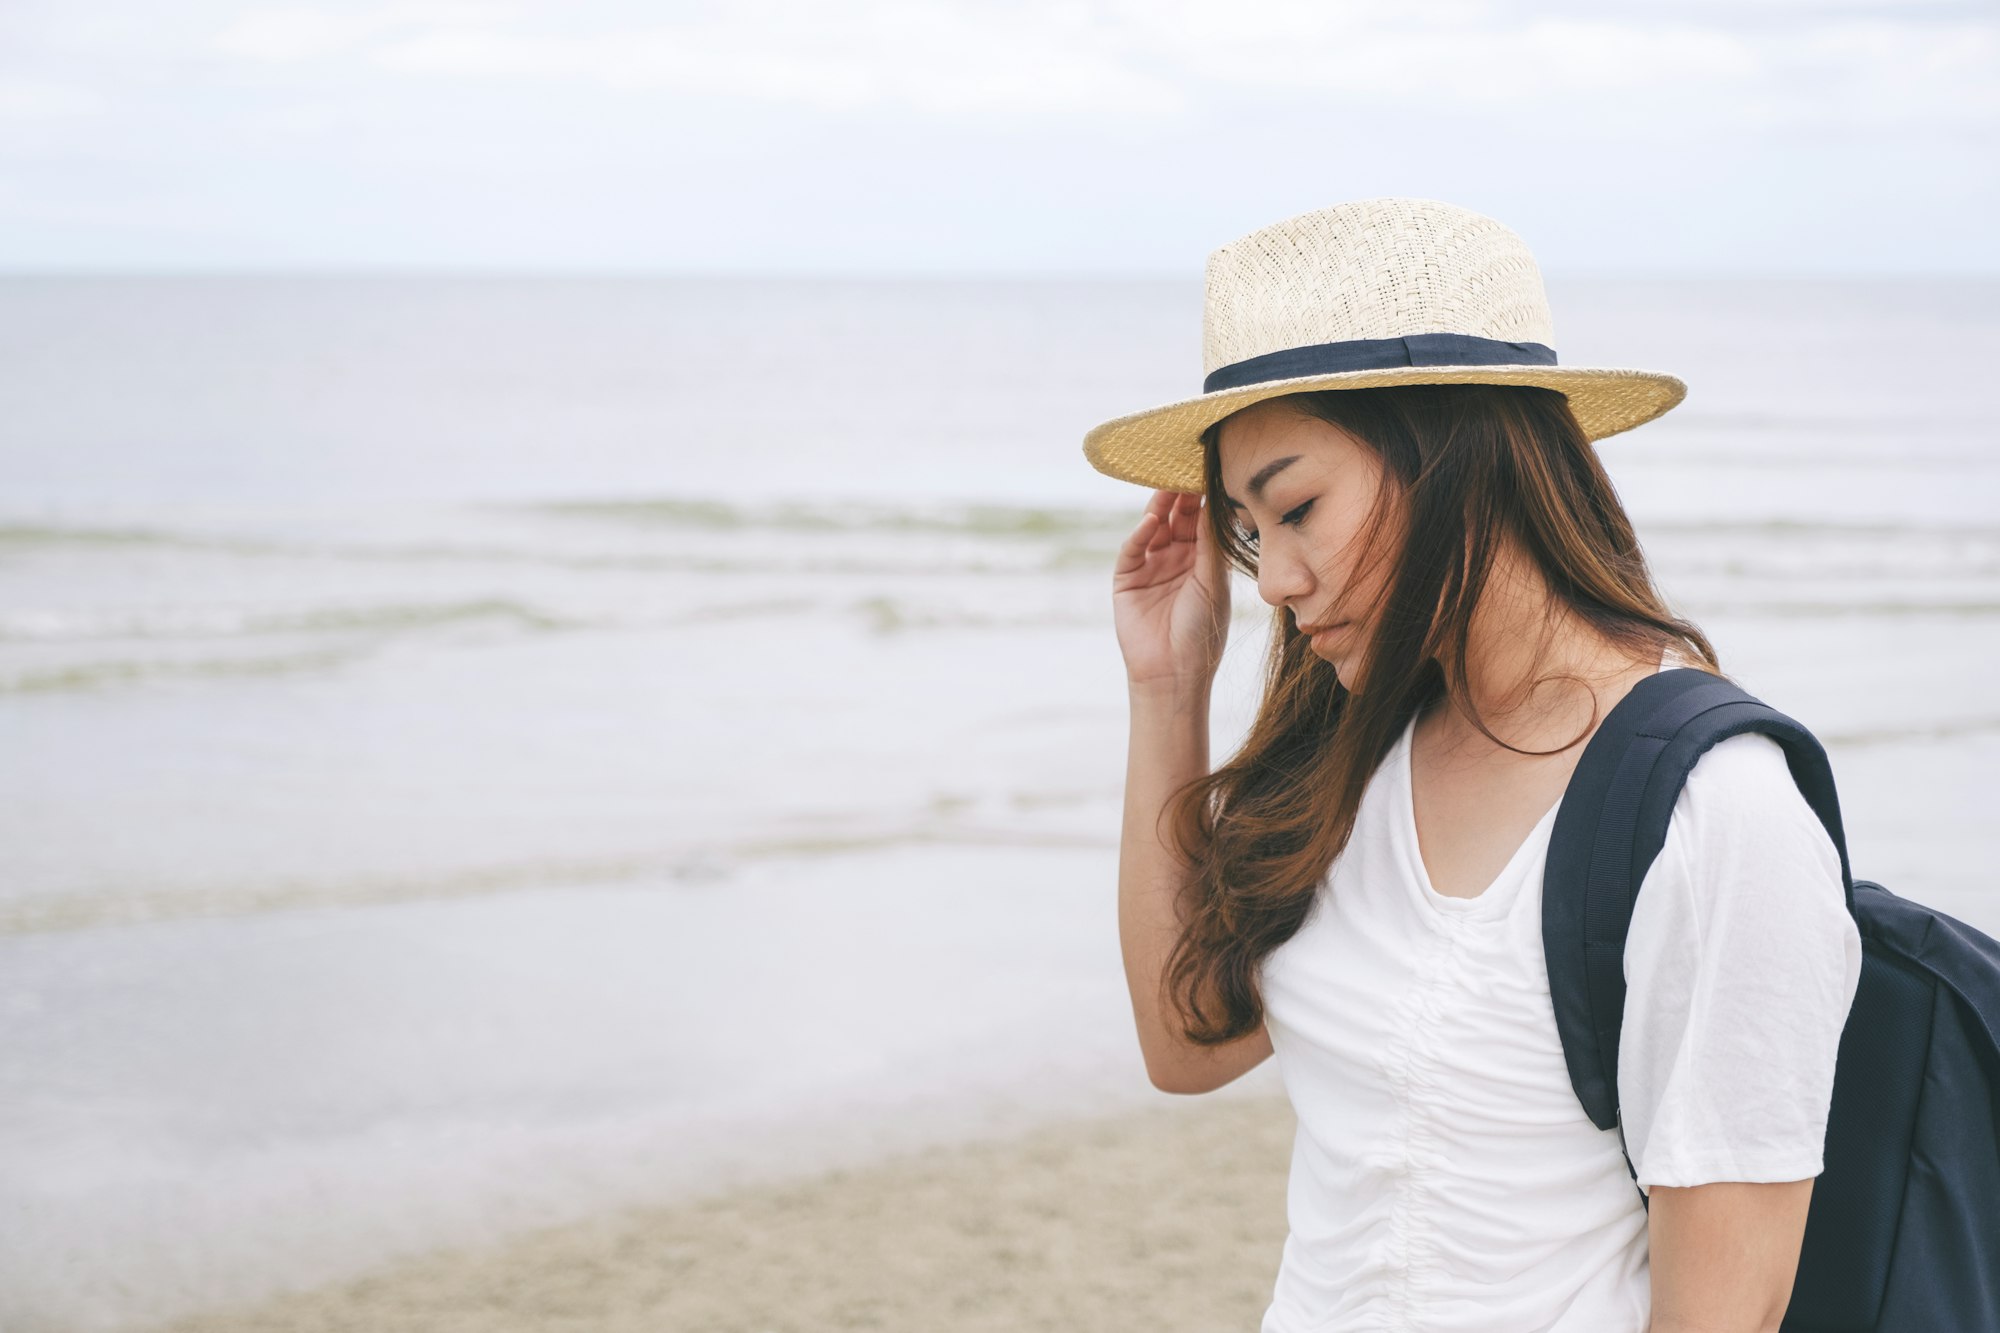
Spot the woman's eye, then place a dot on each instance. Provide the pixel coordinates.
(1293, 518)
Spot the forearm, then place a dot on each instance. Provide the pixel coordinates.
(1168, 748)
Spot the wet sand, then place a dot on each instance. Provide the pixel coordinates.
(1172, 1218)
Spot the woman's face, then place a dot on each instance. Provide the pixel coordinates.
(1306, 488)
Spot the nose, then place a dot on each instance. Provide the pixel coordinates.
(1281, 579)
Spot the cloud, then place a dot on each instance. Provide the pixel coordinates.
(933, 133)
(43, 99)
(1888, 73)
(1113, 61)
(297, 33)
(1483, 63)
(923, 57)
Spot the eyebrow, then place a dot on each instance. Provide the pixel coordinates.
(1264, 474)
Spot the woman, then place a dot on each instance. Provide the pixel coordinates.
(1387, 447)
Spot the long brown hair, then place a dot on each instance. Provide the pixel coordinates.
(1464, 467)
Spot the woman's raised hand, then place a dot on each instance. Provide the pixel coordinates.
(1170, 595)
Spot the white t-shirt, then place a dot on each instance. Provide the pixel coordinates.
(1444, 1176)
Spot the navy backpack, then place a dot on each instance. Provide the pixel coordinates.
(1903, 1235)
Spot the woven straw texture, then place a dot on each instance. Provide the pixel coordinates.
(1374, 268)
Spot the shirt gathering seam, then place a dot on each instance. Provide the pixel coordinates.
(1413, 1071)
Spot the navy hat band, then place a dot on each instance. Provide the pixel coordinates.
(1416, 349)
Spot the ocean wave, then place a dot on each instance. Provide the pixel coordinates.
(1833, 529)
(1031, 522)
(224, 622)
(83, 676)
(363, 630)
(1031, 541)
(19, 537)
(1671, 456)
(1845, 608)
(1894, 427)
(31, 540)
(693, 867)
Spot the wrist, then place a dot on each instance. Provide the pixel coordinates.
(1177, 692)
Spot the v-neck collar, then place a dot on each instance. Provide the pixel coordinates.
(1500, 892)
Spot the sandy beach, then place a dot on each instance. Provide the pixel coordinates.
(1171, 1218)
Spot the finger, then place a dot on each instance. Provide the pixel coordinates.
(1132, 552)
(1141, 530)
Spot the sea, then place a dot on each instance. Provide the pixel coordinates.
(481, 751)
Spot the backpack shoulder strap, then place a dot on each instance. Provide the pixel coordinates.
(1610, 827)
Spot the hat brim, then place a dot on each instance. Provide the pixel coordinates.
(1161, 446)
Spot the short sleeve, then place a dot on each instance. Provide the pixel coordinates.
(1740, 967)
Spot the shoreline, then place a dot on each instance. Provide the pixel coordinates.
(1172, 1217)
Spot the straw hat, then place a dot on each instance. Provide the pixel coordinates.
(1374, 292)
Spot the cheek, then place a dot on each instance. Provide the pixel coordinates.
(1346, 566)
(1345, 552)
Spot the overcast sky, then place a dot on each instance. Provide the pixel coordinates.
(1004, 136)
